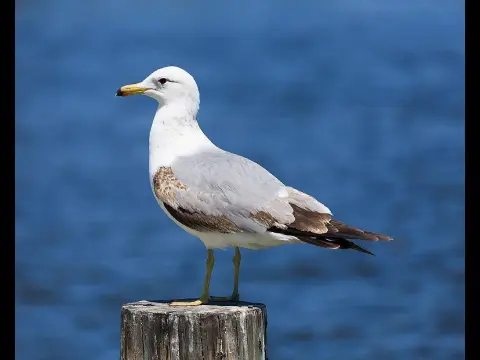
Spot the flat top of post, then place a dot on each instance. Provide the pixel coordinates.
(162, 306)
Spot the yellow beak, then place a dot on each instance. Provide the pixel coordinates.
(133, 89)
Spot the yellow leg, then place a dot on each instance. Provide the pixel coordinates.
(206, 284)
(236, 271)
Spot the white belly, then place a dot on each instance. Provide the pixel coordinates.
(246, 240)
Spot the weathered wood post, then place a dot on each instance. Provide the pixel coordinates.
(158, 331)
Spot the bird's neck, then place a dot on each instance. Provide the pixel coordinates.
(174, 133)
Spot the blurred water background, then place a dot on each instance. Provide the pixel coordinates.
(358, 103)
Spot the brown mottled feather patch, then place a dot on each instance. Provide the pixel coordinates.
(310, 226)
(165, 184)
(309, 221)
(202, 222)
(340, 229)
(263, 218)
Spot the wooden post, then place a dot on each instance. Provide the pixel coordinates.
(158, 331)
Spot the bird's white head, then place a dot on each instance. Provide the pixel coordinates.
(167, 85)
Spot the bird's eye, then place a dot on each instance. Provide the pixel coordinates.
(162, 81)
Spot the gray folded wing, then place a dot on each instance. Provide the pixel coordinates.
(226, 193)
(222, 192)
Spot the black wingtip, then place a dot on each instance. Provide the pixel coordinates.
(346, 244)
(119, 93)
(358, 248)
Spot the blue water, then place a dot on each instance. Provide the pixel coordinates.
(358, 103)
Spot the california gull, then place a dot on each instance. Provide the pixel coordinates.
(222, 198)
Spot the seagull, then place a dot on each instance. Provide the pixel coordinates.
(222, 198)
